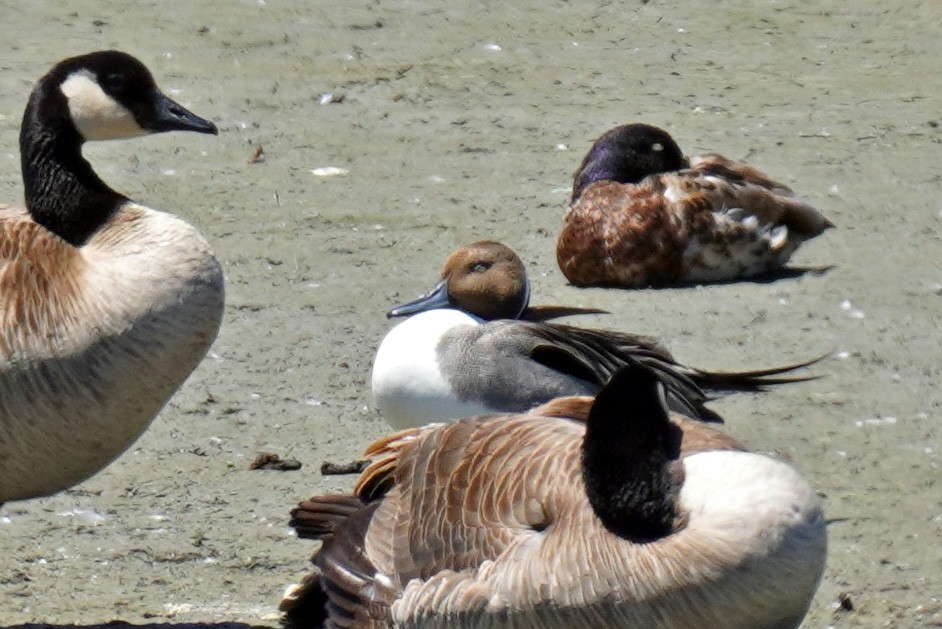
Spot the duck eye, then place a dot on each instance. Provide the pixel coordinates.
(480, 267)
(657, 147)
(114, 82)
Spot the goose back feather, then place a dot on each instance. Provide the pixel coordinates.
(485, 522)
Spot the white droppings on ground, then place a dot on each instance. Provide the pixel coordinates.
(86, 517)
(329, 171)
(875, 421)
(851, 310)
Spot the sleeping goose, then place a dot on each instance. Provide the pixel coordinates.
(643, 215)
(106, 305)
(580, 513)
(465, 350)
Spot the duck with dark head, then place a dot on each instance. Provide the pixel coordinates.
(642, 214)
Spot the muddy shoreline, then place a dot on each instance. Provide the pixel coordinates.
(465, 121)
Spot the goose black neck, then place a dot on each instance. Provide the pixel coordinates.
(63, 193)
(630, 458)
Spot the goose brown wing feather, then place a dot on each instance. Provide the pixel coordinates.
(315, 517)
(39, 280)
(459, 505)
(574, 407)
(695, 437)
(354, 597)
(698, 438)
(383, 454)
(464, 495)
(343, 591)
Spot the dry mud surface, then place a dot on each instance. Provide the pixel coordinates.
(461, 121)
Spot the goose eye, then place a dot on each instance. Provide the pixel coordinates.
(114, 83)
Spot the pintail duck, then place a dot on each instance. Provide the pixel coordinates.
(643, 215)
(612, 513)
(106, 305)
(465, 351)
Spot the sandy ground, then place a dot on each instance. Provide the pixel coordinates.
(460, 121)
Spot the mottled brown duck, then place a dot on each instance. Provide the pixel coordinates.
(642, 214)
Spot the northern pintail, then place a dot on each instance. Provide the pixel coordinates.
(581, 513)
(643, 215)
(106, 305)
(464, 351)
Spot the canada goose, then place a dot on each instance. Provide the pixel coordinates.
(106, 305)
(464, 352)
(643, 215)
(609, 513)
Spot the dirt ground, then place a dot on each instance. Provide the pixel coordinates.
(459, 121)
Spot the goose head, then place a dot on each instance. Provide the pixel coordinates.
(102, 95)
(627, 154)
(631, 454)
(106, 95)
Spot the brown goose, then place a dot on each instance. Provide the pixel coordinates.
(610, 513)
(106, 305)
(643, 215)
(465, 350)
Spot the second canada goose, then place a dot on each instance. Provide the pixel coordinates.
(106, 305)
(581, 513)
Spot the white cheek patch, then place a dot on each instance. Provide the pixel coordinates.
(96, 115)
